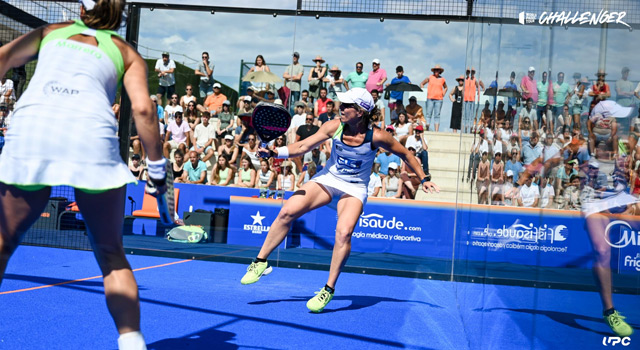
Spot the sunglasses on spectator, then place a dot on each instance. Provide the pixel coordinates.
(418, 131)
(174, 98)
(359, 67)
(205, 56)
(311, 119)
(189, 89)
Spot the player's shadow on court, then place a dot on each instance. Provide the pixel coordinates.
(565, 318)
(209, 338)
(357, 302)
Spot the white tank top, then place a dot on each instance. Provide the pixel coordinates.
(351, 164)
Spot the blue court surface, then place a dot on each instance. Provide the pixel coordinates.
(191, 304)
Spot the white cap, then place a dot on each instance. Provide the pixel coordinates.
(359, 96)
(608, 108)
(217, 85)
(531, 69)
(509, 172)
(376, 61)
(594, 163)
(247, 98)
(228, 137)
(278, 102)
(88, 4)
(393, 165)
(227, 102)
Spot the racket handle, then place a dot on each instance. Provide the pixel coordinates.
(263, 154)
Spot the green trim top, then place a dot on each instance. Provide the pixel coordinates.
(103, 37)
(338, 133)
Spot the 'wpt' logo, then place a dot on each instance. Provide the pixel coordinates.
(627, 235)
(56, 88)
(613, 341)
(526, 17)
(256, 227)
(632, 262)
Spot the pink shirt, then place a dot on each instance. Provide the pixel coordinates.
(179, 132)
(532, 87)
(374, 78)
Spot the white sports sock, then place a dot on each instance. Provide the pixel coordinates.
(131, 341)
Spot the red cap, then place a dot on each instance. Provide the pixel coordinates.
(419, 128)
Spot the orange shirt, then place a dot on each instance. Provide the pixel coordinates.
(435, 88)
(214, 102)
(470, 90)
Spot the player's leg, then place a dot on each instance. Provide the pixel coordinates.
(103, 214)
(311, 196)
(19, 209)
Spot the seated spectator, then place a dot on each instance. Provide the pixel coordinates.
(477, 149)
(402, 127)
(329, 115)
(572, 194)
(391, 184)
(514, 165)
(482, 184)
(178, 132)
(497, 180)
(396, 112)
(188, 97)
(320, 104)
(195, 171)
(228, 150)
(248, 97)
(246, 173)
(222, 173)
(250, 149)
(316, 157)
(410, 179)
(602, 129)
(383, 160)
(7, 92)
(547, 195)
(280, 141)
(225, 124)
(136, 167)
(510, 192)
(564, 174)
(528, 113)
(297, 120)
(513, 145)
(308, 171)
(213, 103)
(244, 130)
(551, 155)
(532, 151)
(382, 121)
(178, 166)
(414, 112)
(266, 177)
(171, 109)
(304, 132)
(202, 139)
(286, 180)
(529, 194)
(375, 184)
(392, 130)
(158, 109)
(191, 115)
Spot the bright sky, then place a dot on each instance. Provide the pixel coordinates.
(416, 45)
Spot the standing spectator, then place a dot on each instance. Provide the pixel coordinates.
(329, 115)
(560, 99)
(177, 166)
(624, 89)
(482, 185)
(178, 132)
(213, 103)
(246, 173)
(456, 110)
(512, 101)
(547, 195)
(378, 102)
(336, 84)
(222, 173)
(7, 93)
(383, 160)
(202, 138)
(579, 100)
(472, 88)
(187, 97)
(543, 101)
(293, 78)
(316, 74)
(357, 79)
(435, 93)
(171, 109)
(497, 180)
(205, 72)
(377, 77)
(260, 65)
(529, 194)
(397, 95)
(529, 86)
(320, 105)
(136, 167)
(165, 68)
(600, 90)
(391, 184)
(195, 171)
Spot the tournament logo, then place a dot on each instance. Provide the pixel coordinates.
(56, 88)
(634, 262)
(627, 235)
(256, 226)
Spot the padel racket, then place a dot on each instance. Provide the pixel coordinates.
(270, 121)
(166, 201)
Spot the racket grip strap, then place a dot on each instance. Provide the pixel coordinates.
(283, 152)
(157, 169)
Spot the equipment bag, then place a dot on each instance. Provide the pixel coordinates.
(187, 234)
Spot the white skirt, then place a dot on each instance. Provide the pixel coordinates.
(339, 187)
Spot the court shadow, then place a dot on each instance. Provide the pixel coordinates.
(565, 318)
(210, 338)
(357, 302)
(50, 280)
